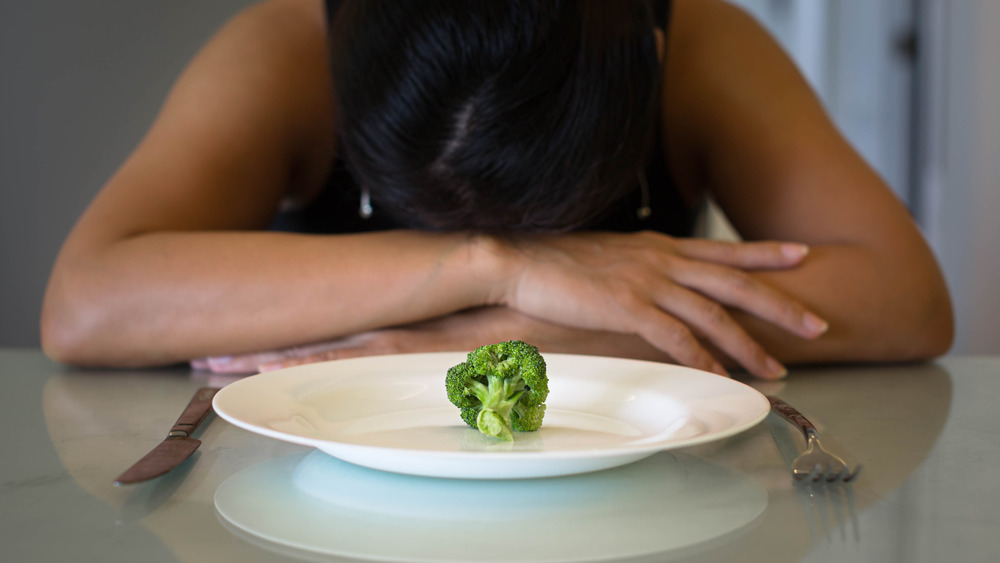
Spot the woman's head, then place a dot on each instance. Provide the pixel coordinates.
(495, 114)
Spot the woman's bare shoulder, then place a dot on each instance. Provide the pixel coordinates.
(698, 37)
(757, 132)
(248, 122)
(284, 44)
(303, 17)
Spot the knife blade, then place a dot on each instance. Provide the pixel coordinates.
(178, 445)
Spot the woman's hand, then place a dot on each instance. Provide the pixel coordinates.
(671, 292)
(458, 332)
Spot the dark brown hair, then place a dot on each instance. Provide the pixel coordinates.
(495, 115)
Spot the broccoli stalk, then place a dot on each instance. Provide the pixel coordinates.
(500, 388)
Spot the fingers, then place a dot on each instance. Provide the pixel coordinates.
(744, 255)
(669, 291)
(273, 359)
(239, 364)
(714, 322)
(676, 339)
(365, 344)
(739, 289)
(303, 360)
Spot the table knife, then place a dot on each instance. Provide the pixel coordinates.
(178, 445)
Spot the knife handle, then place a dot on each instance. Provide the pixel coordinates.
(194, 414)
(792, 415)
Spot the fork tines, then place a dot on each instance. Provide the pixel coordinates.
(829, 474)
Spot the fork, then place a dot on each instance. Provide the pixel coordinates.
(814, 464)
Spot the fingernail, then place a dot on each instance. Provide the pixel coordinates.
(777, 370)
(814, 324)
(794, 251)
(227, 364)
(269, 366)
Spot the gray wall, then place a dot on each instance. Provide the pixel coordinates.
(80, 81)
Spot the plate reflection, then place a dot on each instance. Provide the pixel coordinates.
(317, 504)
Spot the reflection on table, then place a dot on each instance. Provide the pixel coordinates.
(320, 504)
(907, 424)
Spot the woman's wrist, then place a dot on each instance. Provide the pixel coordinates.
(494, 267)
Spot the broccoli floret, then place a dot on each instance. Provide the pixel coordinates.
(527, 419)
(500, 388)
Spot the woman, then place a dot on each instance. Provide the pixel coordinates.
(476, 171)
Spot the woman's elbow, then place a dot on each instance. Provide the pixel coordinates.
(930, 331)
(65, 338)
(74, 321)
(940, 330)
(61, 345)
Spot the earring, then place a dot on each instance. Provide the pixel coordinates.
(644, 210)
(365, 210)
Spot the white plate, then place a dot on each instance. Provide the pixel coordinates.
(315, 504)
(392, 413)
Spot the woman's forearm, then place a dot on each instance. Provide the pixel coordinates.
(170, 296)
(742, 304)
(893, 308)
(880, 307)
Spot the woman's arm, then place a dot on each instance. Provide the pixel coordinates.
(461, 331)
(742, 125)
(165, 265)
(746, 128)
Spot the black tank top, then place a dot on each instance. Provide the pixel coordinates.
(336, 207)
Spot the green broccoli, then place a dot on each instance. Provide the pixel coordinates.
(500, 388)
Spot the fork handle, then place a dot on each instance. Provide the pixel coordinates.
(789, 413)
